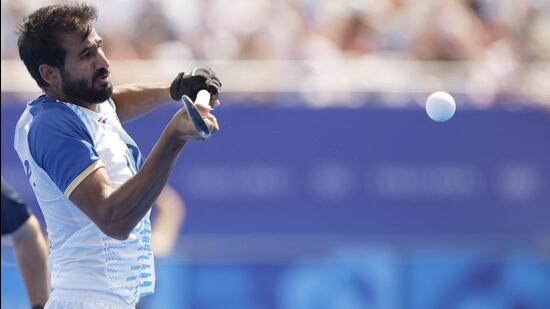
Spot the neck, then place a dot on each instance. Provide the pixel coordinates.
(65, 98)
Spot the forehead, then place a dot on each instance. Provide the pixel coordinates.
(73, 43)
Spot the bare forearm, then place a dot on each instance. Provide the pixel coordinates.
(32, 253)
(131, 201)
(134, 100)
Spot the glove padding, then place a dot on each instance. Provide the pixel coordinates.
(191, 83)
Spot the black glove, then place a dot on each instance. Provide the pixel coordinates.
(193, 82)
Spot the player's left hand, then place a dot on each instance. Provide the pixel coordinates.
(191, 83)
(183, 129)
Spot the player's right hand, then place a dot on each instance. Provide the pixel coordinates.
(184, 129)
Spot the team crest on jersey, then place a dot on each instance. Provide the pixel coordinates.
(102, 120)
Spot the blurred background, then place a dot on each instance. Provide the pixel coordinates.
(328, 186)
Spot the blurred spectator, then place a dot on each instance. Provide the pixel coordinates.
(445, 30)
(451, 32)
(500, 37)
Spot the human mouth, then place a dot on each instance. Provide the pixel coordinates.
(103, 78)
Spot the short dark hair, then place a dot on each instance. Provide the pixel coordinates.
(40, 34)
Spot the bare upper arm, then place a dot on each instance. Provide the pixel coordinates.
(135, 100)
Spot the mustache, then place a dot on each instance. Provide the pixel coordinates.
(101, 72)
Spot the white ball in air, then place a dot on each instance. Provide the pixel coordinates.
(440, 106)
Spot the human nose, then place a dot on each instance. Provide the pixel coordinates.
(103, 62)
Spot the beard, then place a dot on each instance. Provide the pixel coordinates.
(81, 90)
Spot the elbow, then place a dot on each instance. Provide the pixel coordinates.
(120, 236)
(116, 231)
(113, 226)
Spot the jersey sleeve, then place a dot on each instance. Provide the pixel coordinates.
(62, 146)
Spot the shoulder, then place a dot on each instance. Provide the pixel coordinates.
(52, 117)
(55, 128)
(45, 110)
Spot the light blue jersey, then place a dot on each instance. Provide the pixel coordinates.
(60, 144)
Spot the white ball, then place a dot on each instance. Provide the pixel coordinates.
(440, 106)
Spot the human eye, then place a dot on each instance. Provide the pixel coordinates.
(85, 55)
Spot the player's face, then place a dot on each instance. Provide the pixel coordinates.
(85, 75)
